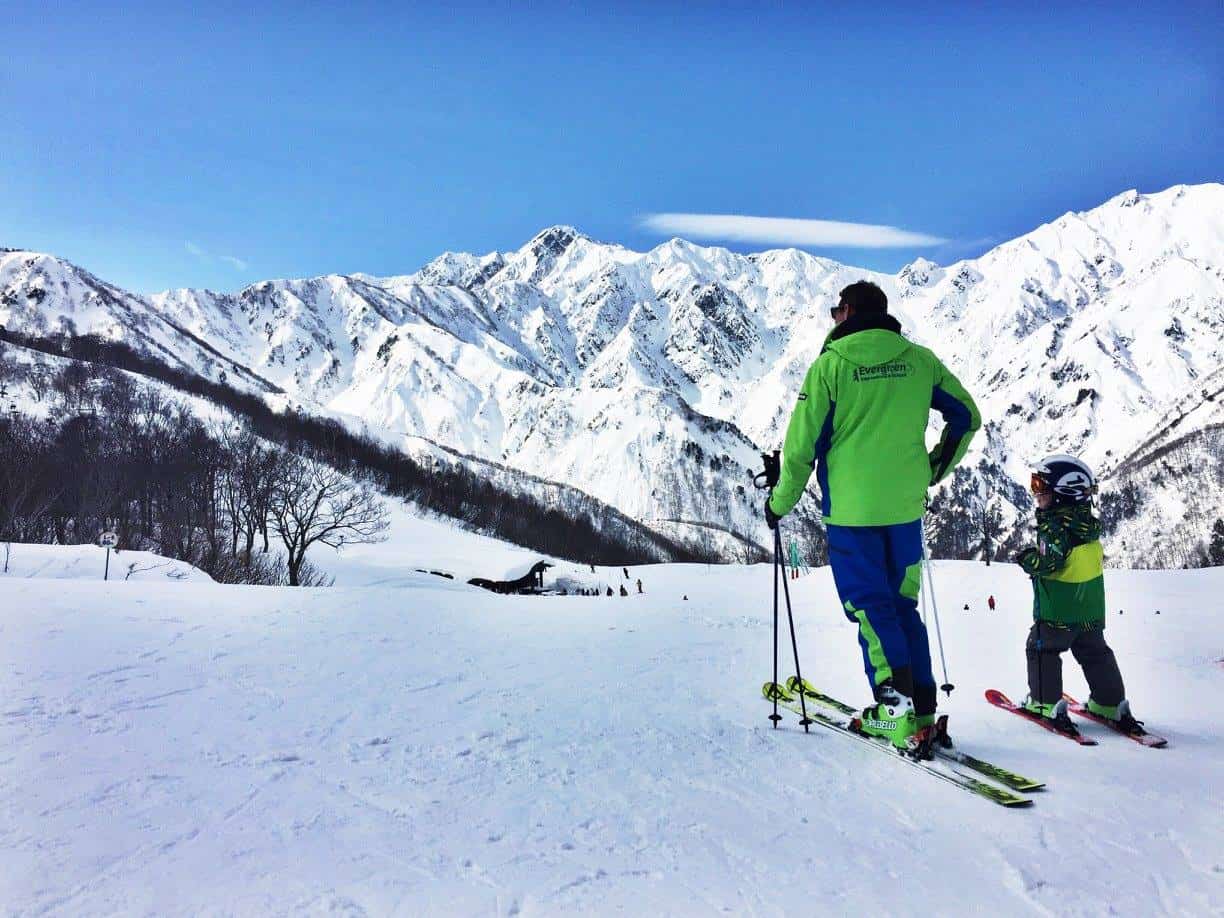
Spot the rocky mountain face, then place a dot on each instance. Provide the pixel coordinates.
(653, 380)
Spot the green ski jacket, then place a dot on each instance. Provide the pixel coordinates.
(1067, 567)
(861, 421)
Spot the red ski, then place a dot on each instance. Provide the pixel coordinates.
(999, 700)
(1143, 738)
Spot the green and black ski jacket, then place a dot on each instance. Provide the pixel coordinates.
(1067, 567)
(860, 423)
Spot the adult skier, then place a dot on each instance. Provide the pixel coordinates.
(1069, 598)
(860, 422)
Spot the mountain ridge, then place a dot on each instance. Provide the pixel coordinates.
(1078, 336)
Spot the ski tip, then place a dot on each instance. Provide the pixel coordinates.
(994, 696)
(774, 692)
(795, 684)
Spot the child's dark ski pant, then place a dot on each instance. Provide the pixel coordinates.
(1046, 642)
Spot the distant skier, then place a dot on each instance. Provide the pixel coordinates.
(860, 421)
(639, 585)
(1069, 597)
(794, 559)
(990, 603)
(609, 591)
(624, 592)
(626, 570)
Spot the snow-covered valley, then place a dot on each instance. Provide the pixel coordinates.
(424, 747)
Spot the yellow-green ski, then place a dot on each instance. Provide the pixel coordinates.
(981, 766)
(774, 692)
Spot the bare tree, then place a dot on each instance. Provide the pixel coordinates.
(314, 502)
(26, 490)
(259, 470)
(990, 528)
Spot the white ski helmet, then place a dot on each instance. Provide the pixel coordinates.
(1068, 478)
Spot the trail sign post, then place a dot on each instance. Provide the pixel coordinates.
(108, 540)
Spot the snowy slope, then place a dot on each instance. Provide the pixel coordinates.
(651, 380)
(88, 562)
(1160, 522)
(417, 542)
(191, 747)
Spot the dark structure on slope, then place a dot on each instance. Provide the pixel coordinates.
(531, 583)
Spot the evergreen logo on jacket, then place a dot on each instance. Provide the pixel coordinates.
(895, 369)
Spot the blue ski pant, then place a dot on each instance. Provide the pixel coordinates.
(878, 573)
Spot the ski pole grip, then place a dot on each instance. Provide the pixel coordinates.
(768, 477)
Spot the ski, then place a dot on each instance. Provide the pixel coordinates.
(981, 766)
(999, 700)
(794, 685)
(774, 692)
(1143, 738)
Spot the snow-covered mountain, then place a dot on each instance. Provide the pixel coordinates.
(653, 380)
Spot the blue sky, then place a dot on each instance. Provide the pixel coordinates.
(221, 145)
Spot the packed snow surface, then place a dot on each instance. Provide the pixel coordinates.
(89, 562)
(430, 748)
(417, 542)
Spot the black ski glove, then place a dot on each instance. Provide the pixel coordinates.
(771, 518)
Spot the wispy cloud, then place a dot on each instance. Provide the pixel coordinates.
(203, 254)
(787, 231)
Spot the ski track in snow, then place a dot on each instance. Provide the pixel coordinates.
(174, 748)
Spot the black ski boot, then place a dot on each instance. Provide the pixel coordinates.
(1055, 713)
(1127, 723)
(1120, 715)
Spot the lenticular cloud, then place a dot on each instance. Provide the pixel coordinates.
(787, 231)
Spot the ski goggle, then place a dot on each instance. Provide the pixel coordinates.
(1039, 485)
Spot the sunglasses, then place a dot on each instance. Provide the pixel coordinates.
(836, 309)
(1038, 485)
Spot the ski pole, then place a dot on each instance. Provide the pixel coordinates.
(779, 569)
(1040, 677)
(775, 716)
(765, 481)
(943, 662)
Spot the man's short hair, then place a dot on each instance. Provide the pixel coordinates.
(864, 298)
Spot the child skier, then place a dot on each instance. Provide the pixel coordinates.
(1069, 598)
